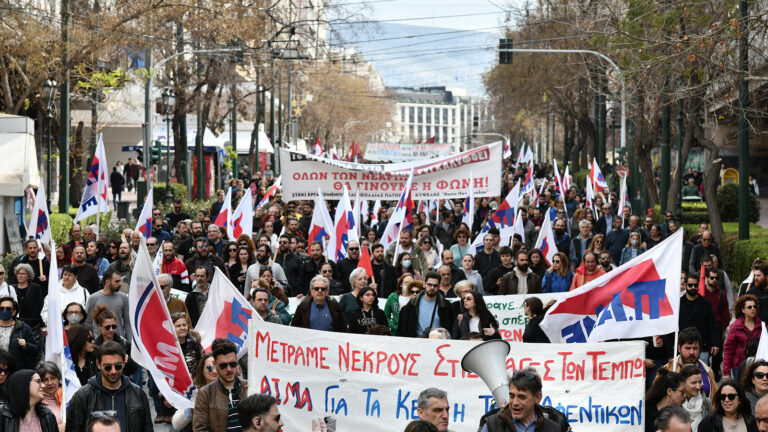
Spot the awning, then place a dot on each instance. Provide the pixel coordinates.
(244, 141)
(18, 166)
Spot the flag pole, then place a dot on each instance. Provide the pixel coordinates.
(674, 354)
(63, 387)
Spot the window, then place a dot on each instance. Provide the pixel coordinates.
(410, 131)
(429, 132)
(445, 134)
(429, 116)
(402, 115)
(420, 115)
(410, 114)
(418, 133)
(445, 116)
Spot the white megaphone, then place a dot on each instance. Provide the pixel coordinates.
(488, 360)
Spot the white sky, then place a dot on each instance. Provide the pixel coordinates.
(398, 9)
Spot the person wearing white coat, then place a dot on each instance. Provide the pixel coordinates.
(69, 291)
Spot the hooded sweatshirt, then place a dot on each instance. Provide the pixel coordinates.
(112, 399)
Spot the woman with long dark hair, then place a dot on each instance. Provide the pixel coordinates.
(94, 255)
(24, 411)
(667, 389)
(230, 254)
(404, 264)
(7, 368)
(755, 382)
(204, 375)
(237, 270)
(534, 310)
(732, 411)
(745, 330)
(696, 402)
(83, 346)
(538, 264)
(559, 277)
(476, 318)
(368, 313)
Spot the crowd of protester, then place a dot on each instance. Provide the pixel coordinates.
(432, 283)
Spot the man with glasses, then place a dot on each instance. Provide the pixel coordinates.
(214, 235)
(605, 221)
(668, 217)
(605, 261)
(216, 403)
(319, 312)
(706, 247)
(203, 257)
(289, 262)
(115, 300)
(187, 247)
(110, 390)
(427, 310)
(177, 215)
(173, 266)
(697, 312)
(345, 266)
(158, 231)
(153, 245)
(259, 413)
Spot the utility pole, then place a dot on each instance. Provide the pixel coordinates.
(680, 136)
(601, 132)
(666, 118)
(64, 112)
(147, 103)
(279, 142)
(272, 110)
(547, 154)
(743, 125)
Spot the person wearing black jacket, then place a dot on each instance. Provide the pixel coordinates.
(487, 259)
(475, 308)
(345, 266)
(696, 311)
(384, 276)
(445, 229)
(27, 396)
(127, 399)
(289, 261)
(24, 344)
(491, 283)
(443, 314)
(312, 267)
(534, 311)
(319, 312)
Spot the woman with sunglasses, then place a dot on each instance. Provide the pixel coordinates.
(203, 376)
(476, 318)
(559, 277)
(755, 382)
(230, 255)
(461, 247)
(696, 402)
(83, 346)
(732, 411)
(106, 324)
(667, 389)
(24, 411)
(430, 253)
(747, 328)
(398, 299)
(244, 259)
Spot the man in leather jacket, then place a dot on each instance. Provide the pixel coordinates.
(128, 400)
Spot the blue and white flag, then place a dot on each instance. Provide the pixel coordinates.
(40, 222)
(144, 224)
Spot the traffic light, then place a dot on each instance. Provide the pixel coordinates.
(156, 153)
(505, 57)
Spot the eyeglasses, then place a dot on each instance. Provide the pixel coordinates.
(318, 289)
(712, 277)
(210, 368)
(555, 261)
(750, 307)
(151, 244)
(9, 309)
(691, 285)
(104, 414)
(414, 291)
(202, 246)
(705, 240)
(110, 327)
(760, 375)
(232, 250)
(224, 366)
(354, 248)
(729, 396)
(118, 367)
(326, 271)
(5, 371)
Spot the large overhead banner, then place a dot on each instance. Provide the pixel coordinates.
(443, 177)
(366, 382)
(397, 152)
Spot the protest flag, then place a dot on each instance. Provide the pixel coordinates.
(401, 217)
(56, 343)
(566, 181)
(40, 222)
(640, 298)
(225, 211)
(229, 310)
(598, 180)
(343, 228)
(317, 149)
(270, 192)
(469, 204)
(503, 219)
(517, 228)
(507, 151)
(95, 200)
(762, 346)
(558, 180)
(144, 223)
(365, 261)
(375, 213)
(590, 197)
(321, 225)
(241, 221)
(546, 241)
(155, 345)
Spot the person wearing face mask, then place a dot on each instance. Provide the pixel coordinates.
(408, 289)
(69, 291)
(17, 337)
(633, 249)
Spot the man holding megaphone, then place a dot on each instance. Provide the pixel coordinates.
(522, 412)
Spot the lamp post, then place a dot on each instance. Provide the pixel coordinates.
(49, 94)
(233, 134)
(263, 108)
(169, 99)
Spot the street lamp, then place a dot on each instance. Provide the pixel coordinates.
(233, 134)
(262, 106)
(49, 94)
(169, 99)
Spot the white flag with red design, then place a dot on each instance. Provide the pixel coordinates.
(241, 221)
(226, 210)
(546, 241)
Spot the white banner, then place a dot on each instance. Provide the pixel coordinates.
(399, 152)
(444, 177)
(508, 310)
(368, 381)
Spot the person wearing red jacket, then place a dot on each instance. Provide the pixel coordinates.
(745, 329)
(174, 267)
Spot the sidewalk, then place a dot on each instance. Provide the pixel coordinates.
(763, 222)
(126, 196)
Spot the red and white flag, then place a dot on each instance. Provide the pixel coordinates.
(640, 298)
(155, 345)
(343, 228)
(469, 204)
(365, 261)
(241, 221)
(225, 211)
(401, 218)
(276, 185)
(321, 225)
(229, 310)
(40, 222)
(95, 199)
(546, 241)
(144, 223)
(598, 180)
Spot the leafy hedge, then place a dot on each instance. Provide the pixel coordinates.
(580, 176)
(738, 255)
(60, 226)
(178, 190)
(728, 201)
